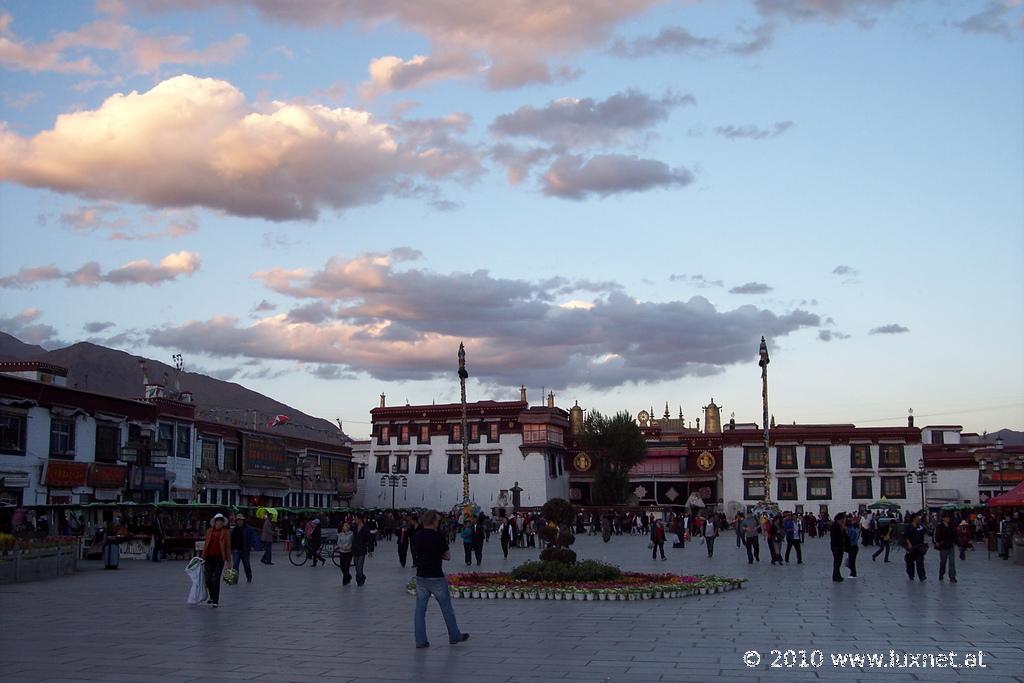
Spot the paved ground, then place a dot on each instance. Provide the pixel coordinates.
(298, 624)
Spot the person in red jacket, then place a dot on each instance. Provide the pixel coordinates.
(658, 540)
(216, 556)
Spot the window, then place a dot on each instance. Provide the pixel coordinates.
(534, 433)
(891, 455)
(558, 459)
(552, 465)
(424, 434)
(402, 461)
(492, 464)
(403, 434)
(231, 463)
(787, 487)
(860, 456)
(423, 464)
(785, 458)
(753, 458)
(455, 435)
(862, 487)
(819, 488)
(936, 436)
(454, 463)
(165, 437)
(492, 432)
(382, 464)
(682, 465)
(385, 436)
(361, 472)
(62, 438)
(554, 434)
(343, 470)
(183, 448)
(474, 432)
(894, 487)
(12, 434)
(108, 442)
(818, 458)
(753, 489)
(474, 463)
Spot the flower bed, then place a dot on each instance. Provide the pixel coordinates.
(632, 586)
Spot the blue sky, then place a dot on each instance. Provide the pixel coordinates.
(668, 152)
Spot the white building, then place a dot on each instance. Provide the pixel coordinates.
(510, 444)
(823, 468)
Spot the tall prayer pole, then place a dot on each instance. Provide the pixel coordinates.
(465, 437)
(763, 362)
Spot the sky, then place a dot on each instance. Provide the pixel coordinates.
(611, 200)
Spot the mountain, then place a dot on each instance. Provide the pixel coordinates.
(103, 370)
(1010, 437)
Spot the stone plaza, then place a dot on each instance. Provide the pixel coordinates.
(299, 624)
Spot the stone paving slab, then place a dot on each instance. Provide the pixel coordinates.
(299, 624)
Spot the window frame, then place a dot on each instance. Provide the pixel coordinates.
(474, 463)
(827, 460)
(232, 463)
(791, 451)
(165, 437)
(534, 430)
(102, 456)
(474, 432)
(493, 432)
(495, 459)
(384, 435)
(870, 489)
(68, 453)
(792, 482)
(182, 429)
(383, 465)
(18, 448)
(749, 451)
(424, 431)
(747, 482)
(455, 433)
(422, 463)
(903, 487)
(828, 488)
(683, 463)
(455, 463)
(854, 447)
(883, 447)
(402, 463)
(404, 434)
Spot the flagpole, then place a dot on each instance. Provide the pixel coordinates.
(463, 374)
(763, 362)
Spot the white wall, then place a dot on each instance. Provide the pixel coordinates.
(963, 480)
(440, 490)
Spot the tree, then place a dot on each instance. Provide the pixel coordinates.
(616, 446)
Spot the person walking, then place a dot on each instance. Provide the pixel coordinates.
(946, 544)
(345, 537)
(738, 525)
(361, 543)
(853, 530)
(216, 556)
(403, 532)
(479, 534)
(710, 534)
(241, 544)
(775, 536)
(505, 534)
(267, 539)
(314, 540)
(963, 538)
(431, 550)
(884, 541)
(839, 543)
(658, 540)
(751, 533)
(793, 540)
(466, 535)
(916, 548)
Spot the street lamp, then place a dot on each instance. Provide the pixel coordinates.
(302, 480)
(394, 481)
(923, 475)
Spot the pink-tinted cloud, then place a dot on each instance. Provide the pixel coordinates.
(142, 272)
(215, 150)
(388, 74)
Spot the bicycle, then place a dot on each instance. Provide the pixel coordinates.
(299, 554)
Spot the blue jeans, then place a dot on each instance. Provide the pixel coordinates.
(438, 587)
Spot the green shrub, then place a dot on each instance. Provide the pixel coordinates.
(588, 570)
(563, 555)
(558, 510)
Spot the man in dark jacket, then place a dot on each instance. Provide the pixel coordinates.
(914, 540)
(361, 544)
(404, 532)
(945, 543)
(840, 544)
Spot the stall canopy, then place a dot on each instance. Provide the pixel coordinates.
(1012, 498)
(883, 503)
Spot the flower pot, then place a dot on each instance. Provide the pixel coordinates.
(542, 596)
(531, 596)
(648, 596)
(454, 594)
(476, 594)
(580, 596)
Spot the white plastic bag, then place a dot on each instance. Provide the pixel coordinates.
(197, 594)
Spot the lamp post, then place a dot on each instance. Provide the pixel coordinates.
(763, 362)
(922, 476)
(462, 429)
(302, 480)
(394, 481)
(145, 451)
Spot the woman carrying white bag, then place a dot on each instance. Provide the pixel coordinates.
(198, 593)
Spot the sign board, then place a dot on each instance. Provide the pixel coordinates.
(106, 476)
(66, 473)
(264, 455)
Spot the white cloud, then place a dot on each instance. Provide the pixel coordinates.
(393, 73)
(141, 272)
(570, 177)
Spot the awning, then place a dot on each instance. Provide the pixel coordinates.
(14, 479)
(944, 496)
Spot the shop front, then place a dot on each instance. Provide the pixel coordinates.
(13, 483)
(61, 478)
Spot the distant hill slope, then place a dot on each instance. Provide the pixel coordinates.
(1010, 437)
(108, 371)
